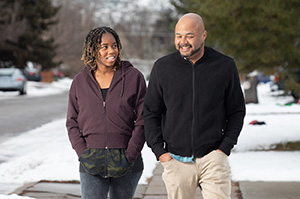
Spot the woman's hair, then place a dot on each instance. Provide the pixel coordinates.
(92, 43)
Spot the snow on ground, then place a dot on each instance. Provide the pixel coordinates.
(45, 153)
(265, 166)
(14, 196)
(282, 125)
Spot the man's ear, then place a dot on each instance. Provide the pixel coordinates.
(204, 35)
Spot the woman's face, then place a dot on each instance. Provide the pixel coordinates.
(108, 51)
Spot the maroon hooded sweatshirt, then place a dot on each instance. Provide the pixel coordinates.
(116, 122)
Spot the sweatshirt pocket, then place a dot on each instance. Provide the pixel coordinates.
(106, 162)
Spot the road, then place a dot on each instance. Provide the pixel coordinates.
(24, 113)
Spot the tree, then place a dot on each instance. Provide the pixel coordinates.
(137, 26)
(144, 37)
(23, 24)
(261, 35)
(75, 19)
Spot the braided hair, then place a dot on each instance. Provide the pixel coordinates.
(91, 46)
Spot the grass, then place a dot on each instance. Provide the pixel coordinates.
(287, 146)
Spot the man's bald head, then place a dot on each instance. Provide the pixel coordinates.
(189, 36)
(192, 19)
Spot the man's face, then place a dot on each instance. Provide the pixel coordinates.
(189, 40)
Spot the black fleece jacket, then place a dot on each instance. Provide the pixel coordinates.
(190, 110)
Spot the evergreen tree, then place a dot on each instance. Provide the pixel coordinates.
(259, 34)
(24, 25)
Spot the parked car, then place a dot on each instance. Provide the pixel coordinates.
(12, 79)
(33, 74)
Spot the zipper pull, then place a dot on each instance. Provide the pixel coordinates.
(104, 107)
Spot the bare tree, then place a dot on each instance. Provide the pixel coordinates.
(75, 20)
(146, 37)
(145, 34)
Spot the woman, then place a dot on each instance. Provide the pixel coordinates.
(105, 119)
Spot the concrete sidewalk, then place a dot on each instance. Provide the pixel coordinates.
(156, 189)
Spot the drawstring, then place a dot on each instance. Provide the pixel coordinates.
(123, 82)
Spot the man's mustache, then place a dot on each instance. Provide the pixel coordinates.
(185, 45)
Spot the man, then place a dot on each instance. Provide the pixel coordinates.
(193, 112)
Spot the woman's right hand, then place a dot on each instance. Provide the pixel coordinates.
(166, 157)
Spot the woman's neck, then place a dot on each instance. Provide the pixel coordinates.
(104, 76)
(103, 70)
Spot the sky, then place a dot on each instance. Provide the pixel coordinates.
(45, 153)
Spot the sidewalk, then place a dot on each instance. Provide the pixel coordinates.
(156, 189)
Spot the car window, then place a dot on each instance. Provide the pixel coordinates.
(6, 72)
(18, 72)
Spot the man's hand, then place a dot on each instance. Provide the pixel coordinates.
(220, 151)
(166, 157)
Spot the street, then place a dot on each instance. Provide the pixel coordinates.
(24, 113)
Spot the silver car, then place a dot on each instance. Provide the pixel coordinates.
(12, 79)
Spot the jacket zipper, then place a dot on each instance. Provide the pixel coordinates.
(193, 105)
(106, 148)
(193, 108)
(105, 116)
(106, 134)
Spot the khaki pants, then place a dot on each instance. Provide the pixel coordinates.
(211, 173)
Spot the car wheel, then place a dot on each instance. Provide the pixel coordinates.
(23, 91)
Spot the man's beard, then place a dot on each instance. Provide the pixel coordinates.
(193, 51)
